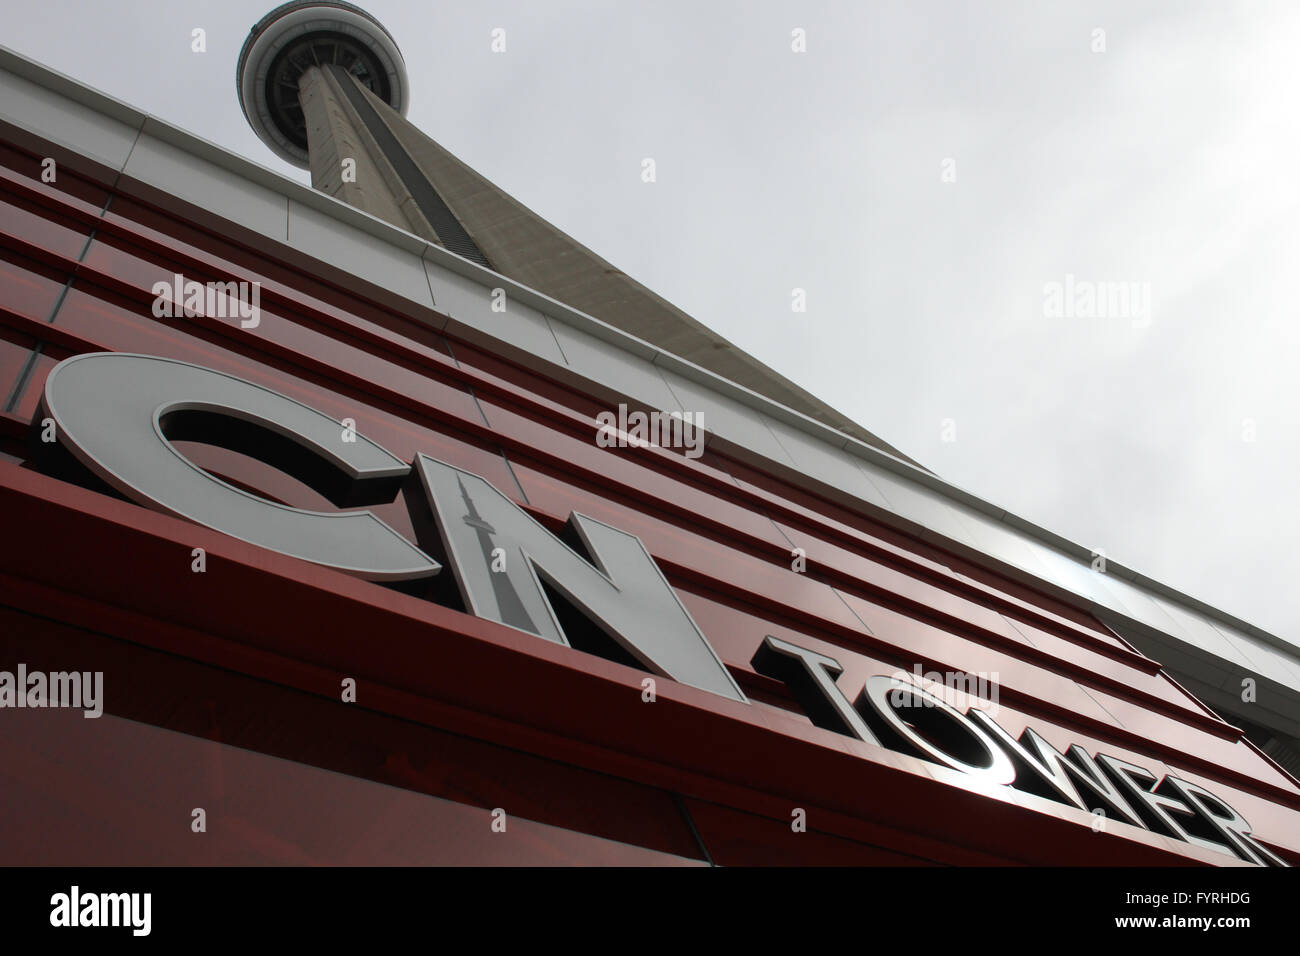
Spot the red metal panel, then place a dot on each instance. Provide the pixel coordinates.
(876, 599)
(303, 626)
(30, 288)
(350, 814)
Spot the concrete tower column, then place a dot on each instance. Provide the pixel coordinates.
(322, 82)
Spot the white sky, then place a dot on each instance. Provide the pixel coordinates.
(1169, 159)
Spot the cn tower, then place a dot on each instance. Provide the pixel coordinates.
(324, 86)
(285, 53)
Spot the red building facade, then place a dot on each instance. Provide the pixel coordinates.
(226, 666)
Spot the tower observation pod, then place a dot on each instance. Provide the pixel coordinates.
(292, 39)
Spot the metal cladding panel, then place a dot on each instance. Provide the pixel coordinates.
(486, 314)
(160, 168)
(97, 139)
(622, 376)
(86, 576)
(343, 247)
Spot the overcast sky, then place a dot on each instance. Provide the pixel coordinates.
(925, 171)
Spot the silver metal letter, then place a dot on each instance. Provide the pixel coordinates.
(1225, 821)
(1041, 769)
(110, 408)
(1156, 807)
(965, 746)
(811, 678)
(625, 594)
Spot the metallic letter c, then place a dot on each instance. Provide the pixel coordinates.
(109, 407)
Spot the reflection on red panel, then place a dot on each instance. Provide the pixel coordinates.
(113, 792)
(817, 514)
(870, 578)
(27, 287)
(30, 396)
(734, 838)
(47, 230)
(530, 383)
(219, 257)
(1140, 681)
(15, 350)
(317, 742)
(28, 172)
(1226, 754)
(640, 472)
(129, 264)
(273, 325)
(117, 323)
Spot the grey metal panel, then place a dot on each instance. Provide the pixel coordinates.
(902, 469)
(618, 370)
(98, 136)
(1285, 753)
(1005, 544)
(922, 505)
(1270, 661)
(1213, 680)
(1145, 608)
(345, 247)
(1072, 574)
(1182, 659)
(1050, 539)
(826, 463)
(468, 302)
(177, 172)
(454, 294)
(726, 418)
(1137, 604)
(1229, 705)
(1202, 634)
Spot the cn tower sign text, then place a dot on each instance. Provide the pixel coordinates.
(118, 415)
